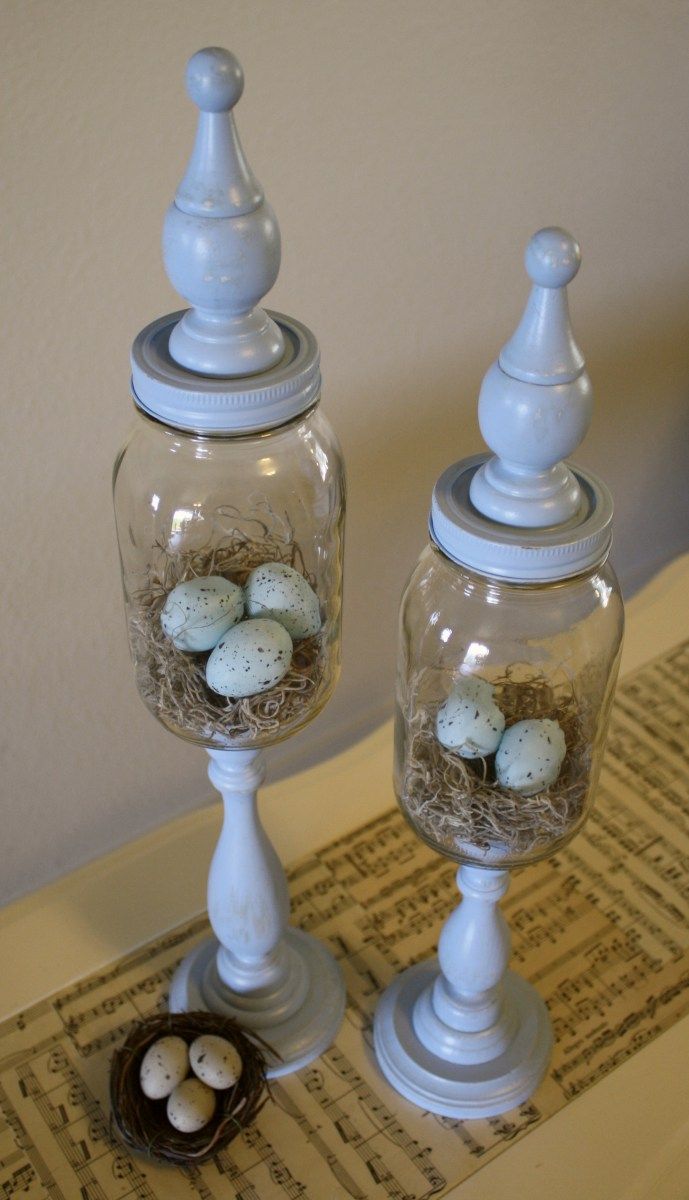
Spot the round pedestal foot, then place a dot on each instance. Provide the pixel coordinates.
(452, 1089)
(298, 1034)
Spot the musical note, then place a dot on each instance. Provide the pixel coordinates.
(122, 1167)
(318, 1142)
(19, 1181)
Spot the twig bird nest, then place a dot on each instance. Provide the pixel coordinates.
(457, 804)
(142, 1123)
(172, 682)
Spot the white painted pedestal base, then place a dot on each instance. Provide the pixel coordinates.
(482, 1089)
(297, 1034)
(461, 1035)
(279, 981)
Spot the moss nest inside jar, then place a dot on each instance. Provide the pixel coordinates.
(172, 682)
(458, 804)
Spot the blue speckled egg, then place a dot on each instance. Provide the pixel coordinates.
(280, 593)
(250, 658)
(530, 756)
(197, 613)
(470, 722)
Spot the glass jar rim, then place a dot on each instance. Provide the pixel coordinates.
(217, 437)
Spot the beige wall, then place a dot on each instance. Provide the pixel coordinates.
(409, 150)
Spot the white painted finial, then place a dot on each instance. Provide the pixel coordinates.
(535, 403)
(221, 241)
(542, 349)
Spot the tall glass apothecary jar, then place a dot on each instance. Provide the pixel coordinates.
(194, 504)
(229, 499)
(509, 643)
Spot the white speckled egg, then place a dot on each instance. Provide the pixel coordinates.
(163, 1067)
(279, 592)
(530, 756)
(197, 613)
(215, 1061)
(470, 721)
(250, 658)
(191, 1106)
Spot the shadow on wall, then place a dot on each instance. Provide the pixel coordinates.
(638, 442)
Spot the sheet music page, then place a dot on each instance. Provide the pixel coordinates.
(602, 930)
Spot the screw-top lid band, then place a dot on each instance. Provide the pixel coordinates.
(202, 404)
(519, 555)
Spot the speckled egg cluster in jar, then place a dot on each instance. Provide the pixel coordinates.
(498, 769)
(528, 755)
(249, 632)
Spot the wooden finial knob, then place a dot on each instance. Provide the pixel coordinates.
(215, 80)
(221, 241)
(552, 258)
(542, 348)
(535, 403)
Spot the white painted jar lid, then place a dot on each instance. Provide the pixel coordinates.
(511, 553)
(164, 389)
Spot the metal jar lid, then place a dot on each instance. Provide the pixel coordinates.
(206, 404)
(516, 554)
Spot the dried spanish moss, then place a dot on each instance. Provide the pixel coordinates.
(172, 682)
(143, 1124)
(456, 800)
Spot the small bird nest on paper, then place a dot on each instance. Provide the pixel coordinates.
(142, 1123)
(172, 682)
(456, 801)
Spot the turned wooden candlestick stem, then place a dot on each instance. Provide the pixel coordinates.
(462, 1015)
(461, 1035)
(248, 899)
(270, 977)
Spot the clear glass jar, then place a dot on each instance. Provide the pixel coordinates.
(548, 655)
(188, 506)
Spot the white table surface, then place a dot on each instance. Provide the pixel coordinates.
(627, 1138)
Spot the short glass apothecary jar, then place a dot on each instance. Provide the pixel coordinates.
(511, 624)
(191, 506)
(479, 657)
